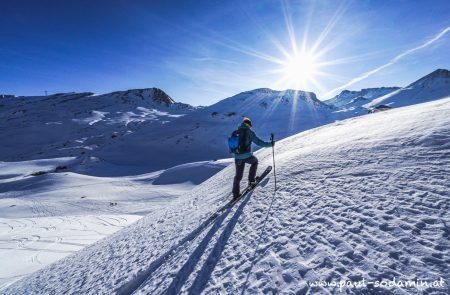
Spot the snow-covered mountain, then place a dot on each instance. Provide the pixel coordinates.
(201, 135)
(348, 99)
(142, 130)
(123, 133)
(433, 86)
(361, 199)
(76, 124)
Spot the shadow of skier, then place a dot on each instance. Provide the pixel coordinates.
(208, 267)
(206, 271)
(255, 253)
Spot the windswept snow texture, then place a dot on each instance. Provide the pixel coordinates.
(366, 198)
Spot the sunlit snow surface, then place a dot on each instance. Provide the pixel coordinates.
(366, 198)
(47, 215)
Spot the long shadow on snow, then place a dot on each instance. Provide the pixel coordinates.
(145, 275)
(205, 272)
(253, 259)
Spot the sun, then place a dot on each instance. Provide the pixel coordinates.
(299, 69)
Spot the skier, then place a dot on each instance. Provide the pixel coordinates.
(246, 156)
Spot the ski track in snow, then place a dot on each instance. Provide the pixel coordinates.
(47, 217)
(364, 198)
(26, 244)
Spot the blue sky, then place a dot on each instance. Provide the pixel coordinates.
(203, 51)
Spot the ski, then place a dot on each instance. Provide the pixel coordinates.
(251, 188)
(243, 193)
(136, 284)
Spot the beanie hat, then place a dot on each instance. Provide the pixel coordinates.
(247, 121)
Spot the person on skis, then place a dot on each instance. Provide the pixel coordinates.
(245, 156)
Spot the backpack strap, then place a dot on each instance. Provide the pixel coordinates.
(247, 141)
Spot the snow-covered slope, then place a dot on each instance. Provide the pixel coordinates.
(431, 87)
(201, 135)
(366, 198)
(353, 99)
(47, 213)
(76, 124)
(125, 133)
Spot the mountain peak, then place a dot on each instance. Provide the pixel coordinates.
(162, 97)
(440, 73)
(433, 86)
(431, 78)
(348, 97)
(146, 94)
(287, 93)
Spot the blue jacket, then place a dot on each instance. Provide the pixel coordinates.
(253, 138)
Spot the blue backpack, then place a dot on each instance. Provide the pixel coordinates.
(238, 142)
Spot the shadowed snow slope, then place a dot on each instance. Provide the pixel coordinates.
(77, 124)
(143, 130)
(366, 198)
(201, 135)
(194, 173)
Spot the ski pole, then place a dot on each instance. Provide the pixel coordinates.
(273, 157)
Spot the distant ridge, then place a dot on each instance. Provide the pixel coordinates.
(433, 86)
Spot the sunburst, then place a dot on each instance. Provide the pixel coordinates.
(299, 70)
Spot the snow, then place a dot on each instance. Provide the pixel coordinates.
(434, 86)
(144, 130)
(191, 173)
(80, 124)
(351, 99)
(201, 135)
(47, 213)
(365, 198)
(28, 244)
(96, 116)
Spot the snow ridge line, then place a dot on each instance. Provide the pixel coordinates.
(133, 285)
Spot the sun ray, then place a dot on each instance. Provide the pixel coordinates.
(289, 26)
(306, 30)
(317, 84)
(330, 25)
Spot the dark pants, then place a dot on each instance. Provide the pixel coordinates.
(240, 165)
